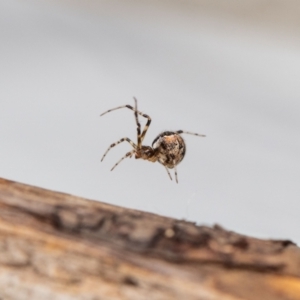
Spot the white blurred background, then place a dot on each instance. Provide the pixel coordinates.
(227, 69)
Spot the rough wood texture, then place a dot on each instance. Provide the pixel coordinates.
(57, 246)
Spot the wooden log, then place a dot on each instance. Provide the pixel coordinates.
(61, 247)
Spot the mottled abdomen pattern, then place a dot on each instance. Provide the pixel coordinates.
(169, 148)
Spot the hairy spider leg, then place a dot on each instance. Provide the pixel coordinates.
(188, 132)
(128, 154)
(141, 138)
(175, 170)
(118, 142)
(142, 135)
(138, 128)
(169, 173)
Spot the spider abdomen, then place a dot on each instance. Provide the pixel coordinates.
(169, 148)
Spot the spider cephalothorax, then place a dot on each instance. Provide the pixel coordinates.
(168, 148)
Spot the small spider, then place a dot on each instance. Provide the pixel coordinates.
(168, 148)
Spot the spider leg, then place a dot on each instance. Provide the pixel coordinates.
(118, 142)
(168, 173)
(188, 132)
(175, 170)
(140, 136)
(138, 128)
(128, 154)
(115, 109)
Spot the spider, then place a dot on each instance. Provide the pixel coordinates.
(168, 148)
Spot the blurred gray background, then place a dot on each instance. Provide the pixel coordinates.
(227, 69)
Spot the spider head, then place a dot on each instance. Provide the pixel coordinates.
(146, 153)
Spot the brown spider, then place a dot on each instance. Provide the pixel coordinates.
(168, 148)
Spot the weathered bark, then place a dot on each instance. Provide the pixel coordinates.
(57, 246)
